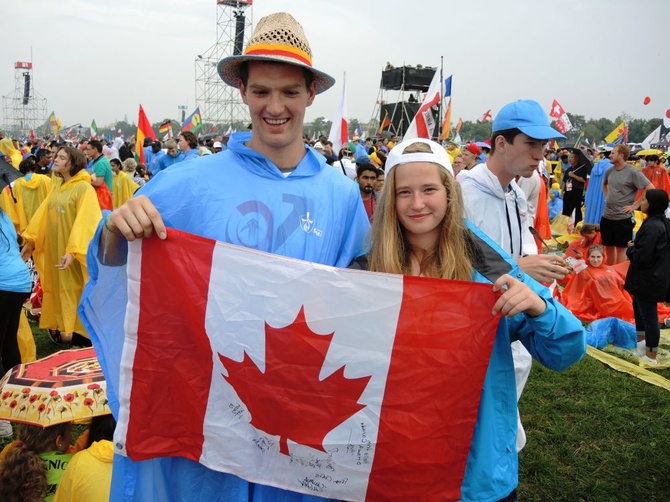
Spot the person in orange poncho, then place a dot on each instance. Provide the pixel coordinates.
(657, 174)
(597, 292)
(59, 233)
(590, 236)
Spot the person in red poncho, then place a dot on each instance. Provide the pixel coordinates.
(597, 292)
(590, 235)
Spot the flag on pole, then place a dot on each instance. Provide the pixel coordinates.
(94, 129)
(386, 121)
(446, 126)
(557, 112)
(578, 143)
(459, 124)
(485, 117)
(666, 118)
(304, 388)
(423, 123)
(617, 135)
(653, 139)
(556, 147)
(339, 129)
(447, 86)
(165, 129)
(144, 130)
(193, 122)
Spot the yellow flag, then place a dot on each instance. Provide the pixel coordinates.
(616, 136)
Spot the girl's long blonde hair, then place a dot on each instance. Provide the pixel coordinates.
(453, 254)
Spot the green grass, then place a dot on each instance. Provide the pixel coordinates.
(594, 434)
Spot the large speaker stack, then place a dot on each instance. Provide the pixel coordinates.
(395, 117)
(26, 88)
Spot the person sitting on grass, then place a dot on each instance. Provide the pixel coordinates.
(590, 235)
(88, 476)
(32, 466)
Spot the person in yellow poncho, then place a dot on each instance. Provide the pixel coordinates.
(8, 149)
(29, 192)
(59, 233)
(123, 185)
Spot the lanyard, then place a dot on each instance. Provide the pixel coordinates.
(509, 223)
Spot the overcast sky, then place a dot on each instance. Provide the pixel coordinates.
(598, 58)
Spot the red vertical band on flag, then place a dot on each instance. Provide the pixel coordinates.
(173, 358)
(442, 348)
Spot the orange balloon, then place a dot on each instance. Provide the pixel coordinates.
(647, 100)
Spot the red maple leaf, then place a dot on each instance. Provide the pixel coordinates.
(288, 399)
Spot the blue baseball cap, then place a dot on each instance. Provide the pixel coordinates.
(527, 116)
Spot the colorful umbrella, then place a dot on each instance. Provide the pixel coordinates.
(65, 386)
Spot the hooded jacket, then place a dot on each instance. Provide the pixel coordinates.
(88, 476)
(502, 214)
(237, 196)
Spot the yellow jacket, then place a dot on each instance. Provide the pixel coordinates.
(29, 191)
(123, 188)
(88, 476)
(7, 148)
(64, 223)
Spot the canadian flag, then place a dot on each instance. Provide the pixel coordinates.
(339, 130)
(423, 123)
(331, 382)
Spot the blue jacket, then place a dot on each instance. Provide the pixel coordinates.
(240, 197)
(555, 339)
(14, 274)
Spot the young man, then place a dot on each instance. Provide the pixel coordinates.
(267, 179)
(496, 204)
(100, 165)
(366, 176)
(620, 186)
(493, 200)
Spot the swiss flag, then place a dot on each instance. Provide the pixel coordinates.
(556, 110)
(332, 382)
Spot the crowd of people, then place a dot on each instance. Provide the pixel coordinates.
(396, 205)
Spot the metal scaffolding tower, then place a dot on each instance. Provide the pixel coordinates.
(24, 108)
(219, 103)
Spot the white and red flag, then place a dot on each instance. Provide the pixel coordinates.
(332, 382)
(423, 123)
(557, 112)
(485, 117)
(339, 130)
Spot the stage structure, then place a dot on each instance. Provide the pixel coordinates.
(24, 109)
(394, 111)
(218, 102)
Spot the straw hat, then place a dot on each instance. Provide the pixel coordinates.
(277, 37)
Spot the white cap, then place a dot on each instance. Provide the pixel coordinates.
(318, 145)
(438, 156)
(217, 144)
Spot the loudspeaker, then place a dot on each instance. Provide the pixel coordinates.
(26, 88)
(400, 114)
(407, 78)
(239, 33)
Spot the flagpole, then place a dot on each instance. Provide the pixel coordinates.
(439, 109)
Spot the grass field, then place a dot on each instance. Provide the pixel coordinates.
(594, 434)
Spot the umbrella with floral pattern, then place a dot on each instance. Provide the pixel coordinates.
(65, 386)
